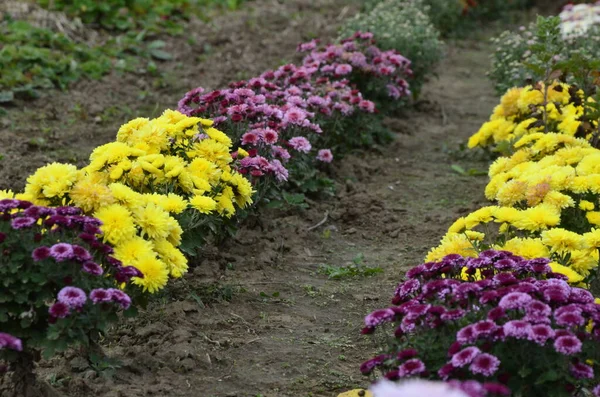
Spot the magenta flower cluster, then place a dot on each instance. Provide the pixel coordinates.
(66, 257)
(276, 115)
(508, 304)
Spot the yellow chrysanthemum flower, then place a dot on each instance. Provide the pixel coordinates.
(91, 193)
(6, 194)
(573, 276)
(52, 181)
(560, 240)
(131, 250)
(117, 223)
(203, 204)
(155, 274)
(152, 221)
(172, 257)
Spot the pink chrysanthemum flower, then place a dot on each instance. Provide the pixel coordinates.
(325, 156)
(567, 345)
(485, 364)
(300, 144)
(72, 296)
(100, 295)
(465, 356)
(411, 367)
(61, 251)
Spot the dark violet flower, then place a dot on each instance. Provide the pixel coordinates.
(72, 296)
(484, 328)
(40, 253)
(556, 295)
(120, 297)
(540, 333)
(518, 329)
(466, 335)
(368, 366)
(582, 371)
(23, 222)
(453, 315)
(485, 364)
(504, 278)
(411, 367)
(100, 295)
(59, 310)
(8, 341)
(92, 268)
(497, 389)
(537, 310)
(496, 314)
(407, 353)
(567, 345)
(61, 251)
(446, 371)
(81, 254)
(465, 356)
(514, 300)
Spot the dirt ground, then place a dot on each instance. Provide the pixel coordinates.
(256, 317)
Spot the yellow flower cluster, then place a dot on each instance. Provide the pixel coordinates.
(547, 192)
(137, 185)
(532, 109)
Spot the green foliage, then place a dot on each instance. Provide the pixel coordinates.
(33, 58)
(123, 15)
(540, 51)
(403, 26)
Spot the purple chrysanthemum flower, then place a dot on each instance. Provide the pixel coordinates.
(120, 297)
(484, 328)
(407, 353)
(518, 329)
(596, 391)
(570, 320)
(61, 251)
(368, 366)
(466, 335)
(582, 371)
(92, 268)
(504, 278)
(497, 389)
(81, 253)
(407, 288)
(72, 296)
(446, 371)
(411, 367)
(537, 309)
(465, 356)
(567, 345)
(453, 315)
(378, 317)
(514, 300)
(485, 364)
(40, 253)
(100, 295)
(580, 295)
(59, 310)
(540, 333)
(496, 313)
(23, 222)
(8, 341)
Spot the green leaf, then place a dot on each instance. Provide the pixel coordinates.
(6, 96)
(458, 169)
(549, 376)
(161, 55)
